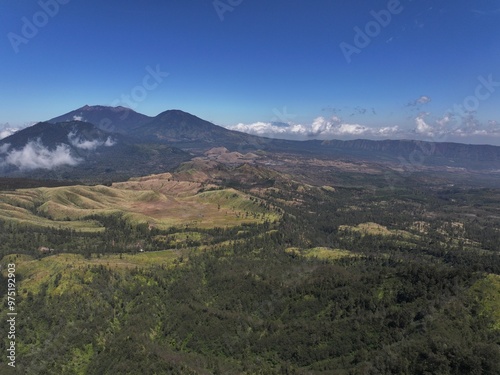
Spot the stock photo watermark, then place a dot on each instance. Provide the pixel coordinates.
(283, 115)
(372, 29)
(11, 314)
(483, 91)
(223, 6)
(138, 94)
(31, 26)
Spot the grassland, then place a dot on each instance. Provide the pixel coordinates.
(375, 229)
(72, 270)
(325, 253)
(487, 294)
(157, 200)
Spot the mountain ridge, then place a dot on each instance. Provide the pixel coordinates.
(79, 150)
(113, 119)
(133, 135)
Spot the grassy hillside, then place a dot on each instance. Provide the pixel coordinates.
(158, 200)
(67, 268)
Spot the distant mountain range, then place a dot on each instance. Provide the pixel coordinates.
(173, 127)
(76, 150)
(98, 142)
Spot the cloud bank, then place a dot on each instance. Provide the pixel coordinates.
(321, 128)
(423, 126)
(455, 127)
(34, 155)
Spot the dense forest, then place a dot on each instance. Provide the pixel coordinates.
(351, 280)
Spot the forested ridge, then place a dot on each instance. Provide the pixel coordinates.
(351, 280)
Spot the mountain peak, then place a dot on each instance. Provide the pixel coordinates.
(111, 119)
(177, 113)
(88, 108)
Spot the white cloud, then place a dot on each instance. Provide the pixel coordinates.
(452, 128)
(445, 120)
(353, 129)
(388, 131)
(7, 131)
(270, 129)
(424, 99)
(321, 125)
(86, 144)
(34, 155)
(321, 128)
(422, 127)
(426, 127)
(109, 142)
(78, 118)
(4, 148)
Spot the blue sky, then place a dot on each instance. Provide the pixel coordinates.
(285, 68)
